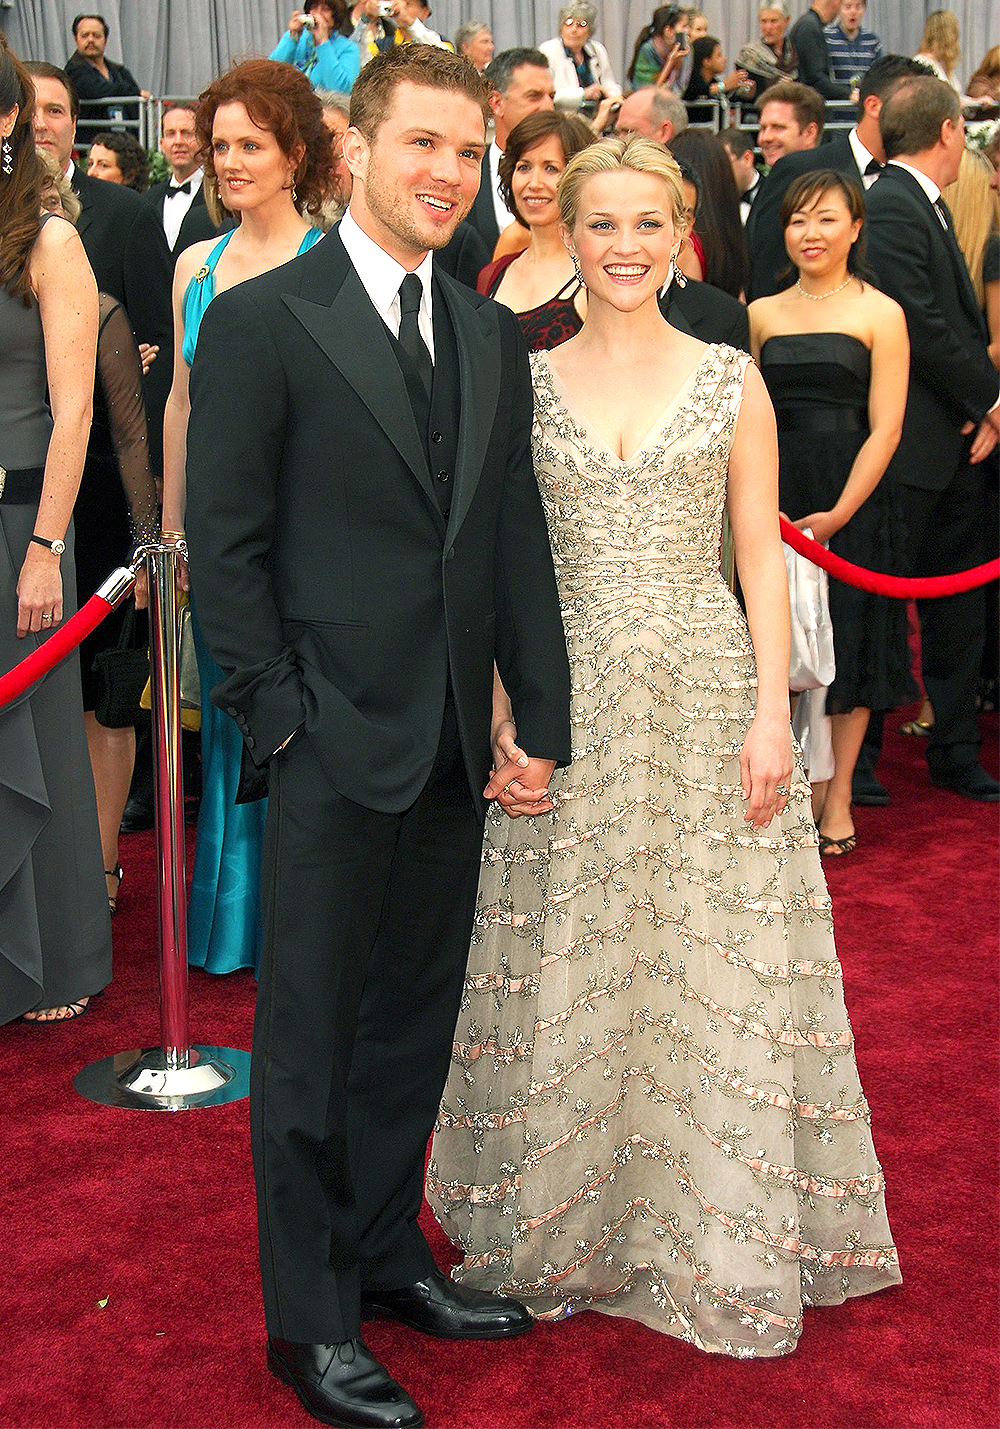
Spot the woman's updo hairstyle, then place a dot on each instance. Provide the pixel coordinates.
(608, 156)
(279, 98)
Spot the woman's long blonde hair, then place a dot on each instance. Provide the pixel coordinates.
(940, 39)
(975, 208)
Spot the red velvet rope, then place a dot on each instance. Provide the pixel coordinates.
(55, 648)
(904, 587)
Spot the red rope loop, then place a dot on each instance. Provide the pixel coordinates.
(903, 587)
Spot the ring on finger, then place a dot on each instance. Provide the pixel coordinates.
(47, 619)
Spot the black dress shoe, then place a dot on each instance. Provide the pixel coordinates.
(343, 1385)
(971, 780)
(138, 817)
(452, 1312)
(867, 790)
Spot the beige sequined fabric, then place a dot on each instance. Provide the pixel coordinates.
(653, 1108)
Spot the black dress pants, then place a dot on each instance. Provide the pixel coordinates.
(368, 919)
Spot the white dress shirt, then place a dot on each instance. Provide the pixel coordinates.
(747, 198)
(503, 213)
(862, 158)
(176, 204)
(382, 275)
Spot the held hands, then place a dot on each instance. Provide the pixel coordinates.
(766, 769)
(520, 785)
(822, 524)
(39, 593)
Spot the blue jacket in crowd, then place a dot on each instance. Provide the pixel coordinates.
(335, 64)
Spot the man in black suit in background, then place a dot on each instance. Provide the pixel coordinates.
(360, 561)
(121, 236)
(520, 83)
(180, 200)
(952, 416)
(858, 155)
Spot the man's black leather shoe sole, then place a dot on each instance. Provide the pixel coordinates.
(438, 1307)
(343, 1385)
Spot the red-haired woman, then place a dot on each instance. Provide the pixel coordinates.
(55, 937)
(267, 162)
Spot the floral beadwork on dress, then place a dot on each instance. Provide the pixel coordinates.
(654, 1107)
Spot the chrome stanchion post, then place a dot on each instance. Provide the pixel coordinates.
(174, 1076)
(161, 565)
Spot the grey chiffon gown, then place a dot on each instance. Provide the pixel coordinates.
(55, 930)
(653, 1108)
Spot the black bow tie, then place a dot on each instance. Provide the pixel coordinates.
(873, 167)
(184, 188)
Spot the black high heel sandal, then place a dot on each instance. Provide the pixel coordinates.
(116, 872)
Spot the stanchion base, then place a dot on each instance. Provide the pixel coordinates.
(141, 1079)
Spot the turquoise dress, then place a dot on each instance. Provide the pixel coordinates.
(224, 919)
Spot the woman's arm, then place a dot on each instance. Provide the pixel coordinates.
(766, 758)
(890, 371)
(175, 414)
(64, 285)
(119, 368)
(338, 63)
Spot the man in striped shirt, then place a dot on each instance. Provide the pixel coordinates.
(851, 48)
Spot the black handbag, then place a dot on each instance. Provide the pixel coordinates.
(122, 673)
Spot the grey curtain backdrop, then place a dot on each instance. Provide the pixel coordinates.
(176, 46)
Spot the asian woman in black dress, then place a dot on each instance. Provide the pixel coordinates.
(834, 353)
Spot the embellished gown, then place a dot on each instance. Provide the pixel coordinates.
(653, 1108)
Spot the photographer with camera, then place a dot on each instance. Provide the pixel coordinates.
(316, 42)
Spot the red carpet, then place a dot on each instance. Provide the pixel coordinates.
(154, 1213)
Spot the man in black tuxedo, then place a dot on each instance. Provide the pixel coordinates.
(705, 312)
(857, 154)
(952, 412)
(520, 83)
(180, 200)
(366, 540)
(121, 236)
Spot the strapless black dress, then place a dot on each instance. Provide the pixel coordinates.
(819, 386)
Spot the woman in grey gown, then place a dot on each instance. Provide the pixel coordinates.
(55, 932)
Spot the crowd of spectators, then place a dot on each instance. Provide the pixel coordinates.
(810, 97)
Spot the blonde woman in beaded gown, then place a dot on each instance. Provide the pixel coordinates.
(653, 1108)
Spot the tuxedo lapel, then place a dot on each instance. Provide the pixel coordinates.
(355, 339)
(81, 187)
(932, 217)
(477, 337)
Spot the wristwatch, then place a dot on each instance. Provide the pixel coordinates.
(56, 547)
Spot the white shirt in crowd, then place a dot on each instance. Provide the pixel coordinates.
(424, 35)
(503, 213)
(176, 204)
(569, 95)
(382, 275)
(862, 158)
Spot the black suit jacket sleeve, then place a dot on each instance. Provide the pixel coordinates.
(814, 58)
(234, 448)
(902, 255)
(530, 644)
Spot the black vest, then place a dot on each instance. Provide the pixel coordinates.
(440, 432)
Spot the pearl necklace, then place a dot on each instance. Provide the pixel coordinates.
(819, 297)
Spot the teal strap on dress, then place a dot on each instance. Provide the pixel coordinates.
(201, 289)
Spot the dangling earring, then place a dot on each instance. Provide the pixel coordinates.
(676, 276)
(578, 270)
(294, 194)
(6, 156)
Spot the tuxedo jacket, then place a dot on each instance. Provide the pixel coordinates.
(330, 589)
(706, 313)
(127, 248)
(196, 225)
(765, 236)
(482, 216)
(917, 261)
